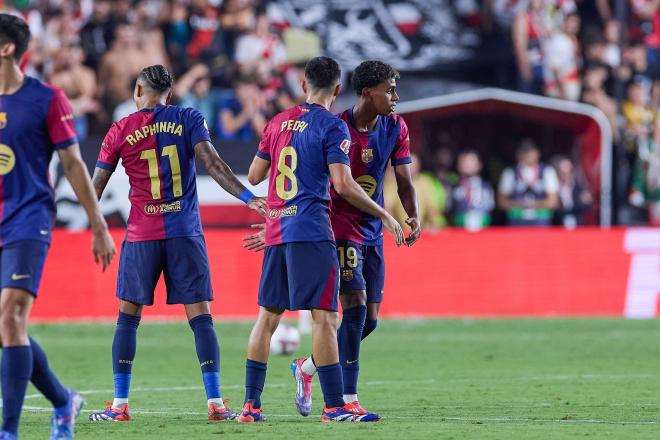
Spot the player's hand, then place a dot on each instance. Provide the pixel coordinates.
(394, 227)
(103, 248)
(256, 242)
(258, 204)
(415, 232)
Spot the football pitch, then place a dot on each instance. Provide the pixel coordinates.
(445, 379)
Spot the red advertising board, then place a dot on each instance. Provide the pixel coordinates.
(492, 273)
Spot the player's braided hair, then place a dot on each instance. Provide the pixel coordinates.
(157, 78)
(371, 73)
(322, 73)
(15, 30)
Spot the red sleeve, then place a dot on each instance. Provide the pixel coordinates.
(264, 145)
(401, 153)
(60, 121)
(109, 154)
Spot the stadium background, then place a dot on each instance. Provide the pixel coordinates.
(462, 86)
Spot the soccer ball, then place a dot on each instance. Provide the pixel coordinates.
(285, 340)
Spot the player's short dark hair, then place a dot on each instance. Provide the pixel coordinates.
(371, 73)
(15, 30)
(156, 77)
(322, 73)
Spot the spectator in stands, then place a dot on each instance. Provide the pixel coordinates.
(574, 199)
(96, 36)
(472, 199)
(194, 90)
(639, 118)
(126, 107)
(528, 192)
(530, 28)
(561, 60)
(612, 48)
(150, 36)
(118, 66)
(78, 83)
(260, 49)
(426, 186)
(241, 115)
(594, 93)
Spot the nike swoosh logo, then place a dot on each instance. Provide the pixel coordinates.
(351, 362)
(43, 232)
(15, 277)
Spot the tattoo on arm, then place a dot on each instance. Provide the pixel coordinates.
(100, 180)
(218, 169)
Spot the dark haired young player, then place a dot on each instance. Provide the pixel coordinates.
(378, 137)
(35, 120)
(302, 147)
(157, 146)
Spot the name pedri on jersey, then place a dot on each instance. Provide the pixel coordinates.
(34, 121)
(300, 143)
(369, 154)
(156, 147)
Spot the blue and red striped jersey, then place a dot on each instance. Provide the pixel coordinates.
(35, 121)
(156, 147)
(370, 153)
(300, 144)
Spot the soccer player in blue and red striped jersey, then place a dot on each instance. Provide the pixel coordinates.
(157, 146)
(378, 138)
(35, 121)
(301, 148)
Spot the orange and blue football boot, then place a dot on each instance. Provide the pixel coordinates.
(110, 414)
(373, 417)
(347, 413)
(62, 427)
(303, 387)
(218, 414)
(250, 414)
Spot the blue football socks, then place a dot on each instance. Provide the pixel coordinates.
(369, 327)
(47, 383)
(255, 377)
(331, 385)
(349, 336)
(123, 352)
(208, 353)
(15, 372)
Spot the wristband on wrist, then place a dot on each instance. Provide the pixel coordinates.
(246, 195)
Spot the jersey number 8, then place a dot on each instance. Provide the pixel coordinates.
(175, 167)
(287, 172)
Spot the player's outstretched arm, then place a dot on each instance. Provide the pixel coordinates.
(408, 197)
(75, 171)
(350, 191)
(225, 177)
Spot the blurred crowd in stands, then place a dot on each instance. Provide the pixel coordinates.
(229, 61)
(238, 67)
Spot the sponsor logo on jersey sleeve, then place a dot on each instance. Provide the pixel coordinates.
(345, 146)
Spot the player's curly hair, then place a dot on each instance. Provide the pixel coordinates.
(371, 73)
(15, 30)
(157, 77)
(322, 73)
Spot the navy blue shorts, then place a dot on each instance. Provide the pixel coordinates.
(21, 264)
(182, 260)
(300, 276)
(362, 268)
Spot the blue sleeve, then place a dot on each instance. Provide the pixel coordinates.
(337, 143)
(199, 131)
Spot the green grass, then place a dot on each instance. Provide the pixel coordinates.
(491, 379)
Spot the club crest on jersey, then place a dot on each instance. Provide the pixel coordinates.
(345, 146)
(367, 155)
(3, 120)
(347, 274)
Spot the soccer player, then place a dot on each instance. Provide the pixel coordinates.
(157, 146)
(378, 137)
(302, 147)
(35, 120)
